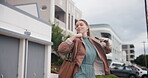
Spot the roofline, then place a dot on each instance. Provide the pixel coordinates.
(98, 24)
(127, 43)
(105, 25)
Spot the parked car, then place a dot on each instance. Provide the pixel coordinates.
(125, 72)
(114, 64)
(143, 73)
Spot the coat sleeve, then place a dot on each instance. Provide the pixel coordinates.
(65, 47)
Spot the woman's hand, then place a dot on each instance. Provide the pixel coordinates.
(75, 36)
(106, 40)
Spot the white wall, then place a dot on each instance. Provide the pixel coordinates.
(18, 22)
(30, 8)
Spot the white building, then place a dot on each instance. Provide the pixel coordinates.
(104, 30)
(28, 22)
(66, 13)
(25, 44)
(63, 12)
(130, 52)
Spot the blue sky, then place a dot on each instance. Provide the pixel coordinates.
(126, 17)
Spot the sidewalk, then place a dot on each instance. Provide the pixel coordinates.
(54, 75)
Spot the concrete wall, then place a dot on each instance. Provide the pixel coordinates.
(44, 14)
(21, 25)
(15, 21)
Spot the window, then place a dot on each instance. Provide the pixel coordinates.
(68, 21)
(124, 46)
(132, 51)
(131, 56)
(126, 51)
(60, 14)
(121, 68)
(128, 68)
(76, 21)
(57, 16)
(126, 57)
(132, 46)
(106, 35)
(71, 23)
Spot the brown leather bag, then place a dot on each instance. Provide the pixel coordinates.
(68, 66)
(67, 69)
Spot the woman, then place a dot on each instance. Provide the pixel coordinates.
(91, 55)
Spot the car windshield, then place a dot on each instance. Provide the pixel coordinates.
(128, 68)
(120, 67)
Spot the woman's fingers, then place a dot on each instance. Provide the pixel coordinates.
(78, 35)
(103, 39)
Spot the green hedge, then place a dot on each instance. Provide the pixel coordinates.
(107, 76)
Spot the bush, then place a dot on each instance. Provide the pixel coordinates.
(59, 62)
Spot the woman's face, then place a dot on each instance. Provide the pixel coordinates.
(81, 27)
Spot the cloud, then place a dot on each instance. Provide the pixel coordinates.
(126, 17)
(138, 43)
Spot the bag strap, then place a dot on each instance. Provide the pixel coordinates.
(69, 57)
(72, 55)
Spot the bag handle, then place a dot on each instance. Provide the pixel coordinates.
(72, 55)
(69, 57)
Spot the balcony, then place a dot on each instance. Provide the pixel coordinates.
(61, 24)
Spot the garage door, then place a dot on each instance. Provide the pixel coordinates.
(35, 62)
(9, 51)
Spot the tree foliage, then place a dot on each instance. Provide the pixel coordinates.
(57, 36)
(141, 60)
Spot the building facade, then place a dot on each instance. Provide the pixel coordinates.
(25, 44)
(130, 52)
(104, 30)
(66, 14)
(26, 25)
(62, 12)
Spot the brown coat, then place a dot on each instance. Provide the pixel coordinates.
(78, 47)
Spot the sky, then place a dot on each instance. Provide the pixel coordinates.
(126, 17)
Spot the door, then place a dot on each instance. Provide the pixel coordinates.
(9, 51)
(35, 62)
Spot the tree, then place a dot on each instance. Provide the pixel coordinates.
(57, 36)
(141, 60)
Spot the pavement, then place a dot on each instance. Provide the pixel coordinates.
(54, 75)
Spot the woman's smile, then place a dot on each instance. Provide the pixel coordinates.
(81, 27)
